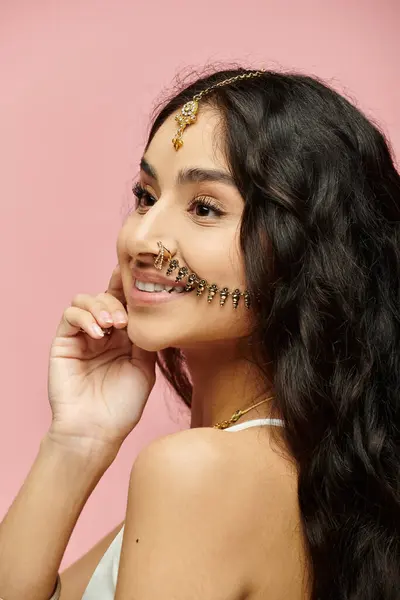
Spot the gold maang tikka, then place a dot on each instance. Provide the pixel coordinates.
(194, 281)
(188, 113)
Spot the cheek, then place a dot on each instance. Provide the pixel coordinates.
(218, 261)
(195, 322)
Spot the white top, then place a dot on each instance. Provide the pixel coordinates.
(103, 583)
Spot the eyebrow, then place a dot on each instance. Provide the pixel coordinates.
(192, 175)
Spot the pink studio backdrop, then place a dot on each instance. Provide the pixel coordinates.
(78, 82)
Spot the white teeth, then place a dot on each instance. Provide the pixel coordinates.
(156, 287)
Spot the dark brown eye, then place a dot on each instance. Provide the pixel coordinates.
(202, 210)
(205, 207)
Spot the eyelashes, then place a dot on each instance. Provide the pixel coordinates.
(204, 202)
(140, 193)
(199, 204)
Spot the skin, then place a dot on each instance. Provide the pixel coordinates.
(214, 339)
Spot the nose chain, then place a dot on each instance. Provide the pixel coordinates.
(194, 282)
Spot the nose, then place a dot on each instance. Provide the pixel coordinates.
(149, 230)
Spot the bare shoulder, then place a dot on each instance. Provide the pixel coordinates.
(180, 522)
(200, 454)
(213, 508)
(190, 459)
(223, 471)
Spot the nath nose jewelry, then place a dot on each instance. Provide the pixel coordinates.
(163, 254)
(195, 282)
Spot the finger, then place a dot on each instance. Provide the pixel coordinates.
(76, 319)
(107, 310)
(115, 287)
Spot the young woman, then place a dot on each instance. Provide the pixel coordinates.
(260, 268)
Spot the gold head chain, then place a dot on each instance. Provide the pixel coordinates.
(188, 113)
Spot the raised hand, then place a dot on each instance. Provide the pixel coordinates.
(98, 384)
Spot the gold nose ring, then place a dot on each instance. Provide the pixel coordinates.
(163, 254)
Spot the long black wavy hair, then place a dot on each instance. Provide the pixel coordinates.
(320, 236)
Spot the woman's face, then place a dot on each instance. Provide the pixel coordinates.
(189, 202)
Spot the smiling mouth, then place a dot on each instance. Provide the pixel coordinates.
(145, 286)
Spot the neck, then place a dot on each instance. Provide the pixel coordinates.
(225, 380)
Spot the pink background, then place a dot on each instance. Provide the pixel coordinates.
(78, 81)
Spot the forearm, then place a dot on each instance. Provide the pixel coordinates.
(35, 532)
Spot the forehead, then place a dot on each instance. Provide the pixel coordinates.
(202, 145)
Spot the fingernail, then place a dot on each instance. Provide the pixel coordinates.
(119, 317)
(106, 317)
(97, 330)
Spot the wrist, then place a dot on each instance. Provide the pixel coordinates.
(92, 453)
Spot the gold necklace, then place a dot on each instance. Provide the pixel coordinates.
(236, 415)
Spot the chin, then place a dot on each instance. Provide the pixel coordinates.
(147, 338)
